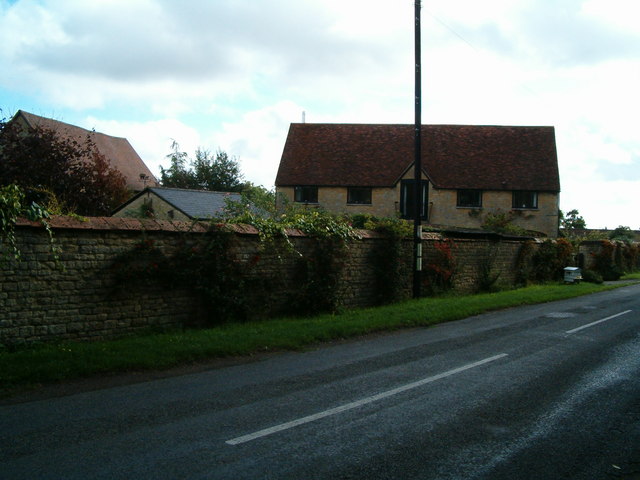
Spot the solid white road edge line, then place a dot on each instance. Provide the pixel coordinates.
(597, 322)
(358, 403)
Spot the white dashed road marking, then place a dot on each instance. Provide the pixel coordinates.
(358, 403)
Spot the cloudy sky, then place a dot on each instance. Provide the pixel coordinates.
(233, 74)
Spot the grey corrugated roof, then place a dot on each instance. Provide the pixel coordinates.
(197, 204)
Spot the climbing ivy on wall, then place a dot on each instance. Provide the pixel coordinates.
(439, 271)
(605, 261)
(319, 271)
(488, 275)
(524, 263)
(210, 266)
(391, 258)
(631, 257)
(318, 278)
(550, 259)
(204, 264)
(13, 206)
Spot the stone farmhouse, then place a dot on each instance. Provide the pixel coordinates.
(118, 151)
(468, 172)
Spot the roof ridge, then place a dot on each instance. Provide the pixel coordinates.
(66, 124)
(461, 125)
(191, 190)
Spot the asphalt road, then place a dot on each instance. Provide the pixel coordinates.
(542, 392)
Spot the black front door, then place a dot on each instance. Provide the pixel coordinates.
(407, 199)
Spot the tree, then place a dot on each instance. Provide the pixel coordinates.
(261, 198)
(177, 175)
(623, 234)
(218, 172)
(53, 170)
(572, 221)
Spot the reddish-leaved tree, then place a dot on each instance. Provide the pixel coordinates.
(44, 163)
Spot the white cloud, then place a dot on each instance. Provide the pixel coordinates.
(258, 139)
(152, 140)
(607, 204)
(619, 14)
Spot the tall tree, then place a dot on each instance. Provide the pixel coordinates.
(177, 175)
(572, 221)
(55, 170)
(206, 171)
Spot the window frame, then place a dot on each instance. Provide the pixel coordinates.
(467, 191)
(524, 203)
(368, 192)
(305, 194)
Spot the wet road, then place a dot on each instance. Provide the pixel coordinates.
(547, 391)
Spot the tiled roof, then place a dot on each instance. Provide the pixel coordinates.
(118, 151)
(197, 204)
(453, 156)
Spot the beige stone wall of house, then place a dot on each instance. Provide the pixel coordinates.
(443, 210)
(161, 209)
(544, 219)
(442, 207)
(384, 201)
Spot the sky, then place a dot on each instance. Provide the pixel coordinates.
(234, 74)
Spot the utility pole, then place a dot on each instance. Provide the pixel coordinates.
(417, 164)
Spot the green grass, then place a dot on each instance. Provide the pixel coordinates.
(51, 363)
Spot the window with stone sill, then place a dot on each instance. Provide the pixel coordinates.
(359, 195)
(525, 199)
(305, 194)
(468, 198)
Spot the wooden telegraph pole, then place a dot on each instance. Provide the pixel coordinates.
(417, 225)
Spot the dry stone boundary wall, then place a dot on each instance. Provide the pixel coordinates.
(76, 299)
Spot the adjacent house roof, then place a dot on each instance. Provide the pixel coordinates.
(196, 204)
(453, 156)
(118, 151)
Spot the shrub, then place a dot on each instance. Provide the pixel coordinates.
(212, 268)
(546, 263)
(591, 276)
(605, 261)
(524, 263)
(318, 278)
(207, 266)
(614, 272)
(502, 222)
(487, 276)
(438, 274)
(13, 204)
(631, 257)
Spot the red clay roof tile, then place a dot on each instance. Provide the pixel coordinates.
(453, 156)
(118, 151)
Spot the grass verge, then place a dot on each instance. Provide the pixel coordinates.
(40, 364)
